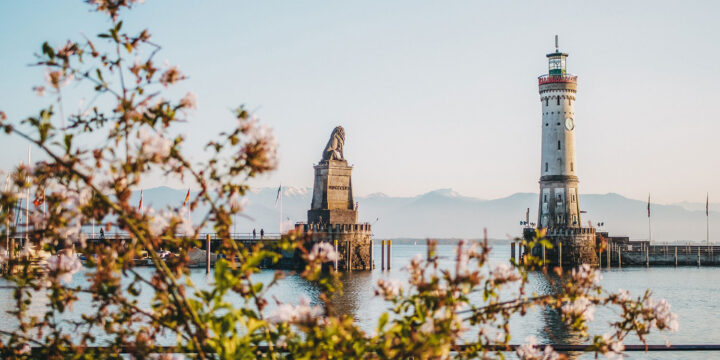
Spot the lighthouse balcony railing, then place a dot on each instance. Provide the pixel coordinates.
(548, 79)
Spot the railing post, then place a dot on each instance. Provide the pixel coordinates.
(512, 251)
(207, 254)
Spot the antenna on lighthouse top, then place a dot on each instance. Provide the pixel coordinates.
(556, 43)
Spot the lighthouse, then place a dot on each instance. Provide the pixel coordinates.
(559, 210)
(559, 205)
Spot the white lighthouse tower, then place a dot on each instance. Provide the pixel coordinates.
(559, 211)
(559, 205)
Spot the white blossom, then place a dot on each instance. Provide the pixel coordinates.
(3, 255)
(611, 347)
(236, 202)
(581, 307)
(185, 226)
(530, 351)
(189, 101)
(154, 145)
(159, 221)
(428, 327)
(585, 276)
(57, 78)
(323, 251)
(503, 273)
(663, 317)
(39, 90)
(624, 295)
(388, 289)
(303, 312)
(64, 265)
(25, 349)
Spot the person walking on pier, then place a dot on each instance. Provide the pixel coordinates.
(254, 234)
(262, 233)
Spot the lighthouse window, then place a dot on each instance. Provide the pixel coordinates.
(546, 167)
(558, 144)
(545, 198)
(547, 101)
(558, 101)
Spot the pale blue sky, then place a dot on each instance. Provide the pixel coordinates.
(431, 94)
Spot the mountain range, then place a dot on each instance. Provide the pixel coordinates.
(446, 214)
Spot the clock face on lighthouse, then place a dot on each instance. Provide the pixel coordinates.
(569, 124)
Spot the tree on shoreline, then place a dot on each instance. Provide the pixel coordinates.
(428, 318)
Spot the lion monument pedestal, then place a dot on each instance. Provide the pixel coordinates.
(333, 215)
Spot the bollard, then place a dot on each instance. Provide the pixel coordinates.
(335, 262)
(512, 251)
(609, 251)
(389, 255)
(372, 252)
(382, 255)
(207, 255)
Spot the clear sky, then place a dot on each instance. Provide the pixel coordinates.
(431, 94)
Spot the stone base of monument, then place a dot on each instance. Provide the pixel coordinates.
(576, 246)
(332, 201)
(354, 242)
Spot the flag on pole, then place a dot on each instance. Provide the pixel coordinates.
(187, 198)
(648, 204)
(278, 195)
(140, 204)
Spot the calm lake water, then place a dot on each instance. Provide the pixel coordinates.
(693, 293)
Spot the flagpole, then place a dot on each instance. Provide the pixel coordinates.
(27, 205)
(649, 223)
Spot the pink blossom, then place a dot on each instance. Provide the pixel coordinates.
(531, 351)
(189, 101)
(503, 273)
(323, 251)
(236, 202)
(154, 145)
(581, 307)
(57, 78)
(663, 317)
(39, 90)
(171, 76)
(65, 266)
(388, 289)
(584, 276)
(303, 312)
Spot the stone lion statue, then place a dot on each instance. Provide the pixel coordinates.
(334, 147)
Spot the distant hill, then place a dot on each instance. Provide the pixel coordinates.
(446, 214)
